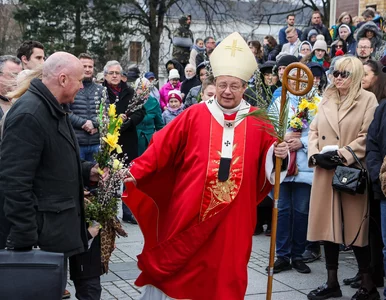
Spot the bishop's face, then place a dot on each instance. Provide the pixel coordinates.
(229, 91)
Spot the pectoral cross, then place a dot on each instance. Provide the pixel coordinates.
(234, 48)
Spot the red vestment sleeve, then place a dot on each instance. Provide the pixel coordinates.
(155, 173)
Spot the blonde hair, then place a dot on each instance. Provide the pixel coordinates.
(24, 84)
(358, 19)
(290, 29)
(356, 76)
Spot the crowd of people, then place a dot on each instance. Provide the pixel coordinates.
(174, 145)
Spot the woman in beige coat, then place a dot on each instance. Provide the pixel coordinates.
(343, 120)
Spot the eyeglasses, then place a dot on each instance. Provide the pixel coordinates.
(339, 46)
(233, 88)
(290, 37)
(343, 74)
(114, 72)
(363, 47)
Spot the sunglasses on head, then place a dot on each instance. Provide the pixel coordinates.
(343, 74)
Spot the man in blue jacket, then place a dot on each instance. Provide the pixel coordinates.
(84, 111)
(290, 23)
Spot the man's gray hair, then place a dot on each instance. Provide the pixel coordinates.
(110, 64)
(5, 58)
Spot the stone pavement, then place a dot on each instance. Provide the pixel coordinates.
(119, 282)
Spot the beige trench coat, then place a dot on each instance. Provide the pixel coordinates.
(344, 127)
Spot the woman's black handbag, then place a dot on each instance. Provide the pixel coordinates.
(349, 179)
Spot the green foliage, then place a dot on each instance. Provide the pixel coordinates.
(74, 26)
(101, 212)
(269, 112)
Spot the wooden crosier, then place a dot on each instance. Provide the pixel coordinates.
(298, 91)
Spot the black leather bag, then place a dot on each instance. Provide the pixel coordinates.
(350, 179)
(34, 274)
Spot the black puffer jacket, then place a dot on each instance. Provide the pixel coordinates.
(84, 108)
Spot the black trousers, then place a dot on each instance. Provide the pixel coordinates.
(88, 289)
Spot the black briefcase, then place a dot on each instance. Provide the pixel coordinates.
(32, 275)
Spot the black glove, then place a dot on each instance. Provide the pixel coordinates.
(329, 160)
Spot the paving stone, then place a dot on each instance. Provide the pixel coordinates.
(109, 277)
(128, 274)
(119, 283)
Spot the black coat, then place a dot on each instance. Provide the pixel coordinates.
(376, 148)
(270, 53)
(187, 84)
(321, 29)
(88, 264)
(178, 67)
(128, 138)
(41, 176)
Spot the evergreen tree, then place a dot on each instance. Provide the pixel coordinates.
(74, 26)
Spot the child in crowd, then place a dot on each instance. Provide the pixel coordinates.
(174, 106)
(208, 89)
(173, 84)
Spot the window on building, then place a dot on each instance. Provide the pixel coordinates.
(135, 52)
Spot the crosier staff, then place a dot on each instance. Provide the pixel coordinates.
(298, 91)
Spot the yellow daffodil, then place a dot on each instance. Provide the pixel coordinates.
(100, 171)
(303, 105)
(112, 110)
(112, 141)
(117, 165)
(296, 123)
(312, 106)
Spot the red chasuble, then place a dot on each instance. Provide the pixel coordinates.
(198, 231)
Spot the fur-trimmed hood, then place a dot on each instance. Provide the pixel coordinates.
(376, 41)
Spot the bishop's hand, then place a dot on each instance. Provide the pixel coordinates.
(281, 150)
(130, 178)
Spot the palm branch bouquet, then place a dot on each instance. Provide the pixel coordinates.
(102, 206)
(142, 88)
(268, 111)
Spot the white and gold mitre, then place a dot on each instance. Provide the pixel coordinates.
(233, 57)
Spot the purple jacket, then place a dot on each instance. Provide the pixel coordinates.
(163, 92)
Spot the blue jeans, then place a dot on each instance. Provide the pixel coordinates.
(87, 152)
(383, 227)
(292, 221)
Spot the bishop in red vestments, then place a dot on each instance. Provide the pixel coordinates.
(197, 187)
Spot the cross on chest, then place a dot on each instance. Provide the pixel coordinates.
(229, 125)
(227, 143)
